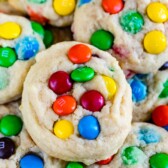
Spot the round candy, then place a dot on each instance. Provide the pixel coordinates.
(166, 127)
(38, 28)
(157, 12)
(64, 7)
(132, 155)
(7, 57)
(159, 160)
(139, 90)
(10, 125)
(83, 2)
(102, 39)
(31, 161)
(105, 162)
(4, 78)
(48, 38)
(10, 30)
(164, 92)
(148, 136)
(27, 48)
(79, 54)
(164, 66)
(131, 21)
(92, 100)
(160, 115)
(82, 74)
(7, 148)
(63, 129)
(37, 1)
(74, 165)
(110, 85)
(89, 127)
(64, 105)
(60, 82)
(112, 6)
(155, 42)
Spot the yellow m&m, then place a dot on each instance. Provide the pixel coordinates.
(110, 85)
(64, 7)
(157, 12)
(9, 30)
(155, 42)
(63, 129)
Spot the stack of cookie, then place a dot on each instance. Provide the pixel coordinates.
(92, 97)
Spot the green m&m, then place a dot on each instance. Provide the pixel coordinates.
(82, 74)
(159, 160)
(7, 57)
(10, 125)
(133, 155)
(37, 1)
(132, 21)
(48, 38)
(102, 39)
(74, 165)
(38, 28)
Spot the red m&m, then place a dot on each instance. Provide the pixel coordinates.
(112, 6)
(64, 105)
(92, 100)
(106, 161)
(60, 82)
(80, 54)
(160, 115)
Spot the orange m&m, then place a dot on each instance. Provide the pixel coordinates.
(64, 105)
(80, 54)
(112, 6)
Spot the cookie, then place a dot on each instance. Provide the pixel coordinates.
(16, 146)
(148, 92)
(55, 12)
(133, 31)
(76, 103)
(20, 41)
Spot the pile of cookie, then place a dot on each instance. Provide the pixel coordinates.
(83, 84)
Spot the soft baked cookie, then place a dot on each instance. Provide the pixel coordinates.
(76, 103)
(20, 41)
(17, 150)
(55, 12)
(148, 91)
(134, 31)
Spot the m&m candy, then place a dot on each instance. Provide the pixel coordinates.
(157, 12)
(60, 82)
(27, 47)
(113, 6)
(7, 57)
(131, 21)
(82, 74)
(106, 161)
(164, 92)
(48, 38)
(64, 105)
(38, 28)
(132, 155)
(7, 148)
(89, 127)
(102, 39)
(10, 30)
(74, 165)
(155, 42)
(160, 115)
(64, 7)
(92, 100)
(83, 2)
(31, 161)
(79, 54)
(159, 160)
(63, 129)
(37, 1)
(10, 125)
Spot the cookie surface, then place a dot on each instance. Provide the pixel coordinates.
(20, 41)
(73, 104)
(55, 12)
(130, 30)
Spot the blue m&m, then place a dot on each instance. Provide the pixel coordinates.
(83, 2)
(89, 127)
(139, 90)
(31, 161)
(27, 48)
